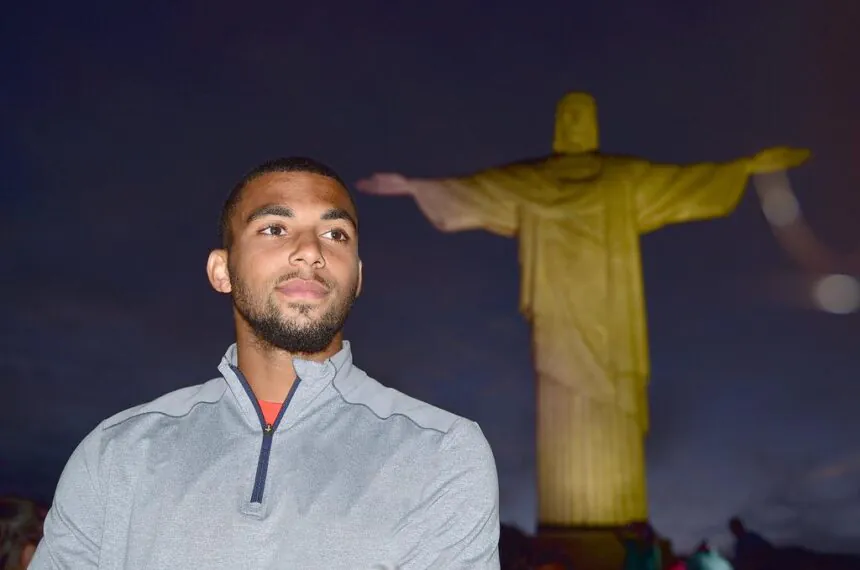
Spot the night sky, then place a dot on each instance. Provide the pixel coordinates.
(123, 130)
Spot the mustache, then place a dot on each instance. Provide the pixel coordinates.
(307, 277)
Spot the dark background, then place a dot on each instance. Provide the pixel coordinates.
(123, 128)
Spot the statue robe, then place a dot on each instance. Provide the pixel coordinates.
(578, 219)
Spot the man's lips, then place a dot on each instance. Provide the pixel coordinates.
(304, 288)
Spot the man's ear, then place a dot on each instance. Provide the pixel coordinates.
(360, 279)
(218, 271)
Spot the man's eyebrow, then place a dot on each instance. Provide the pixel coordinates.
(270, 210)
(339, 214)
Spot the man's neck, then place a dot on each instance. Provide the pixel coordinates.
(270, 371)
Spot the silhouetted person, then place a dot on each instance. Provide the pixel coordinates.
(752, 551)
(20, 532)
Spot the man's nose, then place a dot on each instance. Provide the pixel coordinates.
(307, 250)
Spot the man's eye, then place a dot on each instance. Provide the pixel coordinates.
(337, 235)
(273, 231)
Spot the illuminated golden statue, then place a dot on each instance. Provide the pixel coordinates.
(578, 215)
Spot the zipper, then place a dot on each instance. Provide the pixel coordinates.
(268, 435)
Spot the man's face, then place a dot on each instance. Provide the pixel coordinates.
(293, 269)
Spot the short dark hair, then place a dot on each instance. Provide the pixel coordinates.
(286, 164)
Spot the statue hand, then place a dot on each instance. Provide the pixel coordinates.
(385, 184)
(777, 159)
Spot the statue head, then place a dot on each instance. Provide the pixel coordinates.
(576, 124)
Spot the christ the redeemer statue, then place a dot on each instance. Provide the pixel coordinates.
(578, 215)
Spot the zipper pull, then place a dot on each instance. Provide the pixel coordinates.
(268, 429)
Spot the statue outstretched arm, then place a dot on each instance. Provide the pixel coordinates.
(484, 200)
(670, 194)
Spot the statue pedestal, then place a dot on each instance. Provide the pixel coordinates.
(587, 548)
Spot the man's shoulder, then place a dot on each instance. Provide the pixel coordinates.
(387, 403)
(176, 404)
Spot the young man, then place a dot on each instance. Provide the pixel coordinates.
(293, 457)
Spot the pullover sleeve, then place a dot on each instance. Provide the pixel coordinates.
(73, 526)
(456, 525)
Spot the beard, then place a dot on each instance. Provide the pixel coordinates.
(275, 330)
